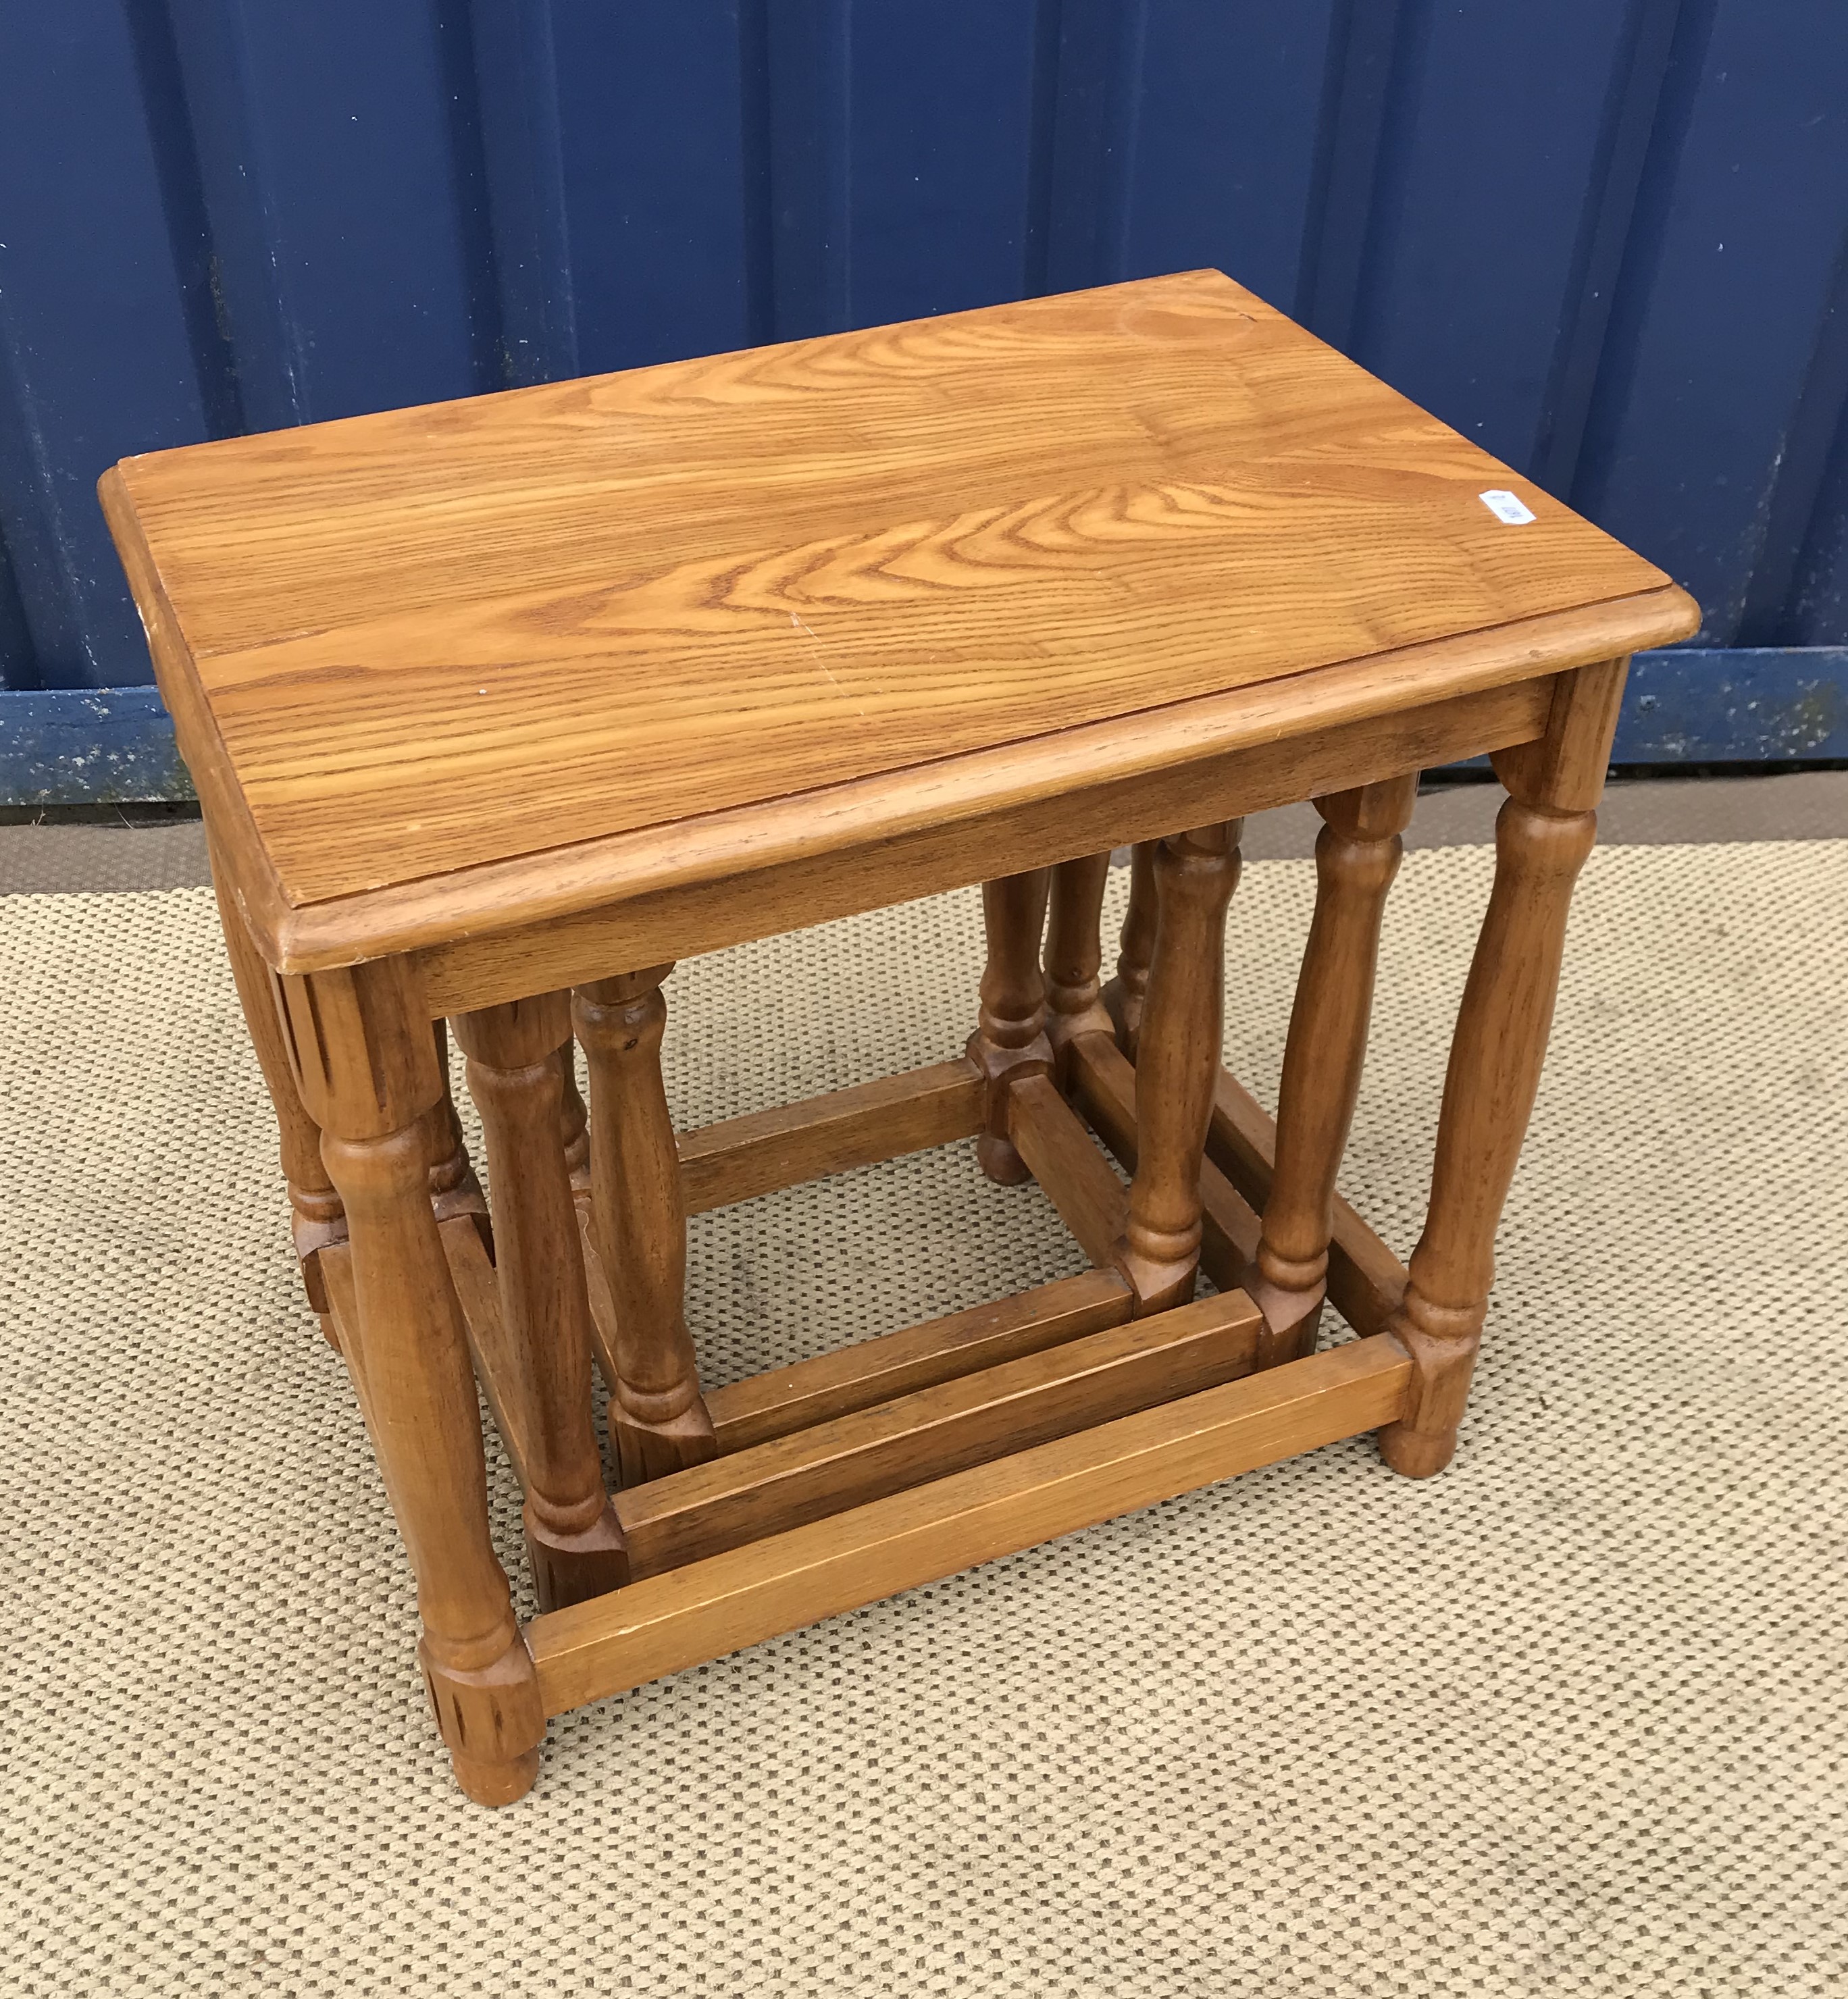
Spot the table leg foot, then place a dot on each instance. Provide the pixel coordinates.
(1292, 1318)
(572, 1568)
(650, 1448)
(492, 1721)
(362, 1054)
(495, 1783)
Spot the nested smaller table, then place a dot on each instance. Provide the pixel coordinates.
(497, 708)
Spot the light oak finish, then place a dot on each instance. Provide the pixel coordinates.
(666, 1623)
(1565, 765)
(539, 692)
(812, 1391)
(1178, 1045)
(363, 1058)
(833, 560)
(1357, 856)
(573, 1539)
(822, 856)
(1542, 838)
(657, 1422)
(934, 1431)
(1365, 1280)
(1010, 1042)
(1103, 1089)
(744, 1157)
(1075, 1175)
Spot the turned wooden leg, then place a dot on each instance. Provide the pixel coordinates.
(657, 1418)
(1010, 1042)
(316, 1217)
(454, 1190)
(1357, 856)
(574, 1125)
(1542, 837)
(573, 1538)
(1074, 956)
(362, 1054)
(1126, 994)
(1177, 1064)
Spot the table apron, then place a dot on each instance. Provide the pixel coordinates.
(653, 928)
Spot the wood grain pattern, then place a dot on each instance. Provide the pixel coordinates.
(435, 639)
(492, 699)
(1092, 1202)
(910, 835)
(744, 1157)
(1565, 765)
(834, 1384)
(936, 1431)
(665, 1622)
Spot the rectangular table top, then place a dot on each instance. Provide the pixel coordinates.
(457, 637)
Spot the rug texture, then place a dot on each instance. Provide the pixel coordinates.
(1569, 1719)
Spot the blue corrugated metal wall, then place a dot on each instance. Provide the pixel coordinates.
(1606, 237)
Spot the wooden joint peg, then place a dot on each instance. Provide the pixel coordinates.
(1357, 856)
(363, 1056)
(1542, 837)
(1074, 958)
(1127, 993)
(657, 1418)
(1009, 1041)
(574, 1540)
(1177, 1064)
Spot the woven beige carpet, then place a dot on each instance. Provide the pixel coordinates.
(1568, 1720)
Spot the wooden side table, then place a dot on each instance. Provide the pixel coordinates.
(495, 708)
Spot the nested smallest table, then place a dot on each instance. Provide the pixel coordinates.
(495, 708)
